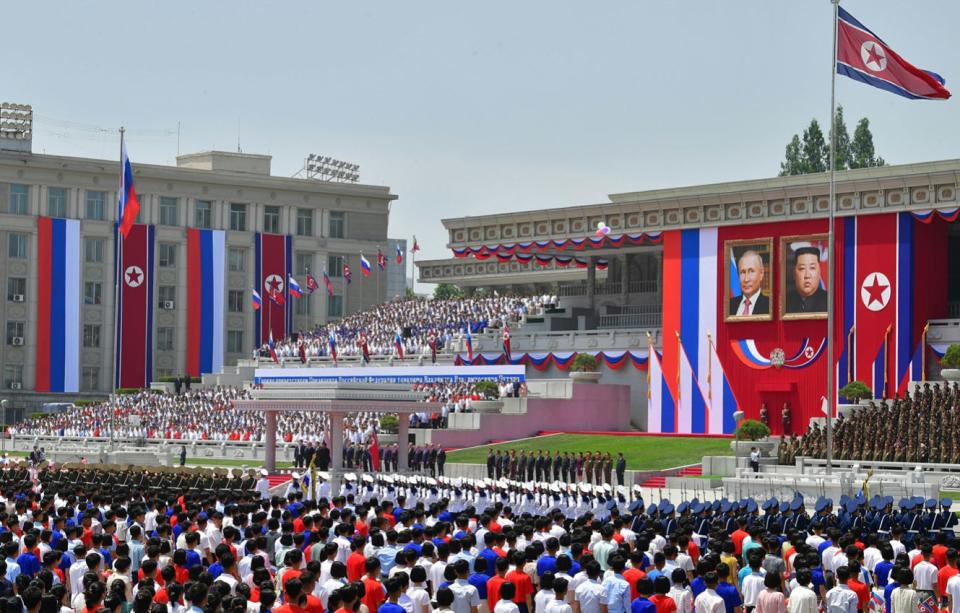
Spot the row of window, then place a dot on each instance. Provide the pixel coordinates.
(89, 377)
(170, 211)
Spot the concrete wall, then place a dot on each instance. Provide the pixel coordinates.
(591, 407)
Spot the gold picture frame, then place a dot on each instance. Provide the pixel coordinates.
(792, 304)
(733, 250)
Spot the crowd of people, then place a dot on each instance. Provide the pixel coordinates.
(208, 415)
(413, 321)
(567, 467)
(924, 426)
(150, 541)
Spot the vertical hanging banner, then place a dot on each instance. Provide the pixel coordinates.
(58, 305)
(134, 258)
(205, 274)
(273, 254)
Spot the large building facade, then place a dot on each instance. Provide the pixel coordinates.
(323, 226)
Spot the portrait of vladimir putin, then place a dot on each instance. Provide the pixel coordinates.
(750, 274)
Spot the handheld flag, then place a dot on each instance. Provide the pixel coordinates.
(364, 266)
(506, 342)
(255, 300)
(332, 341)
(469, 344)
(347, 274)
(416, 246)
(311, 283)
(365, 350)
(864, 57)
(327, 283)
(273, 350)
(398, 343)
(294, 287)
(432, 340)
(399, 254)
(381, 260)
(128, 205)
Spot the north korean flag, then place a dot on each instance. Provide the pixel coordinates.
(864, 57)
(134, 271)
(273, 258)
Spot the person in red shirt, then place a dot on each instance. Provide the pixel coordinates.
(309, 582)
(859, 587)
(739, 535)
(664, 603)
(374, 593)
(634, 573)
(945, 573)
(494, 583)
(524, 594)
(939, 554)
(295, 599)
(356, 562)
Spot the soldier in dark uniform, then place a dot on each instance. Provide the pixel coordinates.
(323, 456)
(608, 468)
(347, 456)
(522, 465)
(491, 463)
(441, 460)
(538, 466)
(622, 469)
(296, 456)
(433, 461)
(557, 466)
(531, 466)
(309, 454)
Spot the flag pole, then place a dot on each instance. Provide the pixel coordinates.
(830, 241)
(116, 293)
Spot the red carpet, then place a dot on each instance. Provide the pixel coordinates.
(276, 480)
(661, 480)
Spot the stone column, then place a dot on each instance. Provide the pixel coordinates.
(624, 278)
(270, 439)
(592, 283)
(336, 452)
(403, 444)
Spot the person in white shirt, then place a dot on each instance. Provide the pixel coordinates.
(589, 595)
(417, 591)
(841, 599)
(753, 583)
(925, 573)
(545, 594)
(708, 601)
(904, 599)
(871, 555)
(559, 603)
(466, 598)
(680, 591)
(506, 604)
(802, 598)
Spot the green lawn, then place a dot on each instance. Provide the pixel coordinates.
(641, 452)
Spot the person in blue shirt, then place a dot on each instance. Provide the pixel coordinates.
(478, 578)
(393, 587)
(488, 554)
(892, 584)
(193, 557)
(548, 562)
(698, 585)
(29, 564)
(727, 590)
(642, 603)
(659, 561)
(883, 568)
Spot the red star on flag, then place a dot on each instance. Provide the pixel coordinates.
(876, 291)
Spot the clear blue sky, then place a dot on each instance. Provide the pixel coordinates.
(471, 108)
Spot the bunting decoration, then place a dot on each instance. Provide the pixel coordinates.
(575, 244)
(614, 360)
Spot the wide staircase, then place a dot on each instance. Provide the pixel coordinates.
(660, 480)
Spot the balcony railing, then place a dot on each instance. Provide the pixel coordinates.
(630, 320)
(608, 288)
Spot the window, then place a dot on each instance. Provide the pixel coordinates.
(14, 331)
(237, 259)
(302, 263)
(90, 378)
(91, 336)
(94, 205)
(165, 339)
(93, 250)
(17, 246)
(335, 265)
(234, 341)
(235, 299)
(168, 211)
(56, 201)
(335, 306)
(338, 223)
(304, 222)
(92, 293)
(12, 373)
(238, 217)
(168, 255)
(19, 199)
(271, 219)
(303, 305)
(203, 214)
(166, 293)
(16, 287)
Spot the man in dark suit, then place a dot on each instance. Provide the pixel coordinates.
(441, 460)
(751, 300)
(491, 460)
(621, 468)
(323, 456)
(806, 295)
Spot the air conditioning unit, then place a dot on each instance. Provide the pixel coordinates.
(18, 297)
(18, 341)
(168, 305)
(15, 385)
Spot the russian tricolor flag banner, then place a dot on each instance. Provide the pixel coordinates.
(134, 257)
(273, 264)
(58, 305)
(205, 278)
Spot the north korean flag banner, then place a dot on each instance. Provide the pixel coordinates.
(134, 257)
(205, 274)
(273, 257)
(864, 57)
(58, 305)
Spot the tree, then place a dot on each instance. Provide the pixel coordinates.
(815, 152)
(409, 294)
(841, 153)
(446, 291)
(862, 153)
(793, 159)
